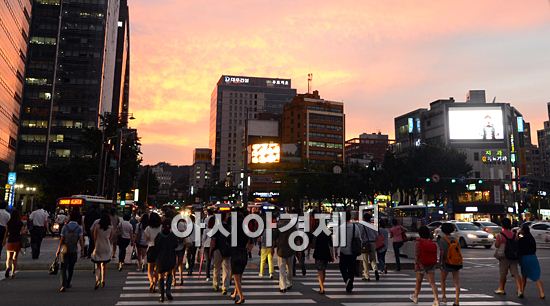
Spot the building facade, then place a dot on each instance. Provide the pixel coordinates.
(316, 127)
(15, 17)
(490, 135)
(234, 100)
(70, 77)
(200, 175)
(367, 148)
(543, 138)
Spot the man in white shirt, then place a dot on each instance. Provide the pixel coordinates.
(4, 218)
(39, 220)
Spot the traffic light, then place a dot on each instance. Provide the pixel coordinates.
(428, 180)
(453, 181)
(480, 182)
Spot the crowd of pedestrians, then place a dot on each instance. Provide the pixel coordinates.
(165, 256)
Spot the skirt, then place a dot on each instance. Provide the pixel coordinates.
(239, 260)
(321, 265)
(151, 255)
(13, 246)
(530, 267)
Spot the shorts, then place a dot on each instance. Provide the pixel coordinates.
(321, 265)
(423, 269)
(180, 253)
(505, 265)
(13, 246)
(151, 256)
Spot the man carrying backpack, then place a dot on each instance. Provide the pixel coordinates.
(451, 261)
(67, 251)
(507, 253)
(349, 251)
(426, 260)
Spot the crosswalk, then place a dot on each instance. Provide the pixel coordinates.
(393, 289)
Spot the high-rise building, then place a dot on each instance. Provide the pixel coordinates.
(234, 100)
(76, 70)
(14, 35)
(367, 148)
(543, 137)
(492, 136)
(201, 171)
(317, 128)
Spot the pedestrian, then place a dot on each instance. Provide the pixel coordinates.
(382, 242)
(4, 218)
(92, 214)
(530, 267)
(67, 250)
(151, 232)
(115, 222)
(165, 249)
(61, 219)
(349, 250)
(220, 249)
(239, 259)
(266, 255)
(368, 236)
(103, 234)
(206, 243)
(39, 221)
(285, 255)
(450, 261)
(323, 254)
(425, 262)
(507, 253)
(190, 248)
(125, 230)
(399, 236)
(140, 243)
(180, 253)
(15, 229)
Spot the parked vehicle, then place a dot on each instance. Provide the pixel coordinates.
(488, 227)
(469, 234)
(541, 232)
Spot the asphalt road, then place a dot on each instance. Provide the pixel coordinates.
(479, 279)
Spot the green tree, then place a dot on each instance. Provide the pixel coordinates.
(148, 185)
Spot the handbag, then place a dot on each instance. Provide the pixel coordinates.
(134, 254)
(54, 267)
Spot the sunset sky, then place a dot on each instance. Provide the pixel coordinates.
(381, 58)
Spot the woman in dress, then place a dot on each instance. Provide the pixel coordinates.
(165, 245)
(323, 254)
(14, 230)
(239, 259)
(103, 234)
(530, 267)
(151, 232)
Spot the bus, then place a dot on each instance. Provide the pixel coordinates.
(83, 202)
(413, 217)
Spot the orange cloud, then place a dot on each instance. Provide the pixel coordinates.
(382, 58)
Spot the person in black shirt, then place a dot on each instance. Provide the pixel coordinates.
(15, 228)
(165, 246)
(530, 267)
(323, 254)
(239, 258)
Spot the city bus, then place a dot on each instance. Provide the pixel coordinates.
(83, 202)
(413, 217)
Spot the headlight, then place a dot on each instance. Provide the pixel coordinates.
(471, 236)
(491, 236)
(56, 226)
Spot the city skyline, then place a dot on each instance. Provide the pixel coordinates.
(391, 57)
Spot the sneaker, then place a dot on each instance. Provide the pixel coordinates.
(413, 298)
(270, 276)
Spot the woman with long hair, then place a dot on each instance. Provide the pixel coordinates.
(14, 230)
(103, 234)
(150, 233)
(530, 266)
(140, 243)
(323, 254)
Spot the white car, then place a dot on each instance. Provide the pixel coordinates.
(541, 232)
(469, 234)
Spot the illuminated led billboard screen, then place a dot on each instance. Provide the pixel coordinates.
(476, 123)
(265, 153)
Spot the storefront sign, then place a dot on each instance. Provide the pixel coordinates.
(496, 157)
(12, 178)
(471, 209)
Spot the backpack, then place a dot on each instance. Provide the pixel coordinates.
(427, 252)
(356, 244)
(511, 249)
(70, 240)
(380, 242)
(454, 254)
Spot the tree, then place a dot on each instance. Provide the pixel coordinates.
(148, 185)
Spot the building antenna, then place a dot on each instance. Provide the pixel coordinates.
(309, 81)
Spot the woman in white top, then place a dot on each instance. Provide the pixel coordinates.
(103, 234)
(150, 233)
(125, 230)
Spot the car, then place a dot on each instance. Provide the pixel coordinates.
(488, 227)
(469, 234)
(433, 226)
(541, 232)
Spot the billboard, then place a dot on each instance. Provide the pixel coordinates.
(264, 153)
(476, 123)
